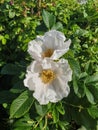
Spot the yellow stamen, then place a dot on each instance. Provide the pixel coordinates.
(47, 76)
(47, 53)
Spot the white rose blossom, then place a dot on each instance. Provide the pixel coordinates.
(52, 45)
(49, 80)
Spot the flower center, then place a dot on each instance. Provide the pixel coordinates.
(47, 53)
(47, 76)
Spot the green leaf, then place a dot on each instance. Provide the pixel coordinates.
(83, 75)
(89, 96)
(92, 79)
(75, 66)
(55, 115)
(10, 69)
(21, 105)
(23, 123)
(41, 109)
(49, 19)
(75, 85)
(63, 125)
(78, 87)
(7, 36)
(23, 128)
(18, 87)
(2, 38)
(3, 41)
(7, 97)
(11, 14)
(83, 118)
(60, 108)
(94, 90)
(58, 26)
(82, 128)
(93, 111)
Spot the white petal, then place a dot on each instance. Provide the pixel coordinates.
(40, 92)
(35, 84)
(34, 49)
(41, 96)
(53, 39)
(52, 95)
(61, 88)
(47, 63)
(61, 50)
(57, 34)
(67, 71)
(57, 54)
(67, 44)
(57, 90)
(34, 67)
(28, 82)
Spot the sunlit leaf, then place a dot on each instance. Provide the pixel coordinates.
(11, 14)
(49, 19)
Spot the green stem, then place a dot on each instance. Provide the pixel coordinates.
(38, 122)
(79, 106)
(41, 120)
(45, 123)
(39, 4)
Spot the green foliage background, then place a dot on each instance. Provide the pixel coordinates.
(20, 22)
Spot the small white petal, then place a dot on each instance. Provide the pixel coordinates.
(34, 67)
(62, 88)
(67, 44)
(28, 82)
(61, 50)
(41, 96)
(66, 69)
(34, 49)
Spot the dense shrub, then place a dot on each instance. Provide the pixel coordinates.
(20, 22)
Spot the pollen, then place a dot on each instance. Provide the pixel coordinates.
(47, 76)
(47, 53)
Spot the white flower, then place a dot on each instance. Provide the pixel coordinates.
(52, 45)
(48, 80)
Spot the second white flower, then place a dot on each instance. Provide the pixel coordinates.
(49, 80)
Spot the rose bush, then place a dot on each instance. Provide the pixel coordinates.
(21, 22)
